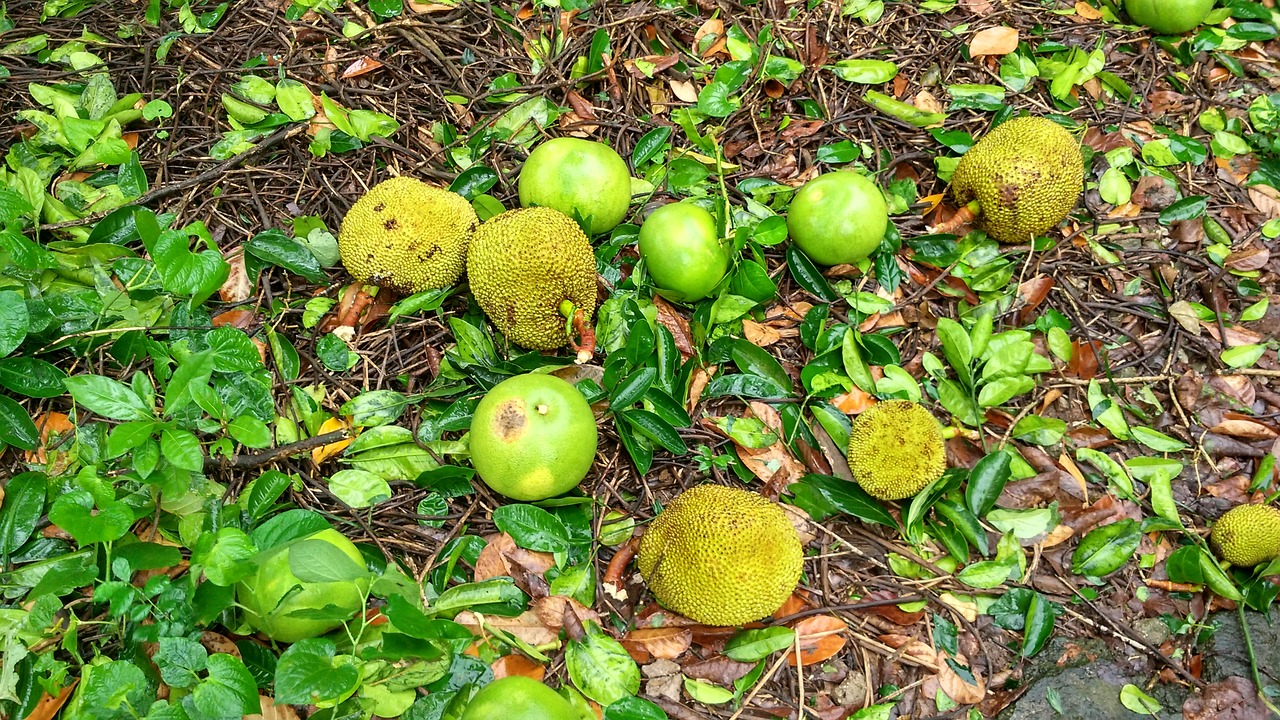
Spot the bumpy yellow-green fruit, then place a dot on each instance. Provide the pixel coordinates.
(721, 556)
(523, 265)
(1026, 176)
(896, 449)
(1247, 535)
(407, 236)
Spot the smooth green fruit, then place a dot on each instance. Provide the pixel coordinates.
(721, 556)
(681, 248)
(533, 437)
(838, 218)
(263, 593)
(516, 697)
(579, 178)
(1247, 535)
(1169, 17)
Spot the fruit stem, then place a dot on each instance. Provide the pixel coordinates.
(962, 217)
(579, 325)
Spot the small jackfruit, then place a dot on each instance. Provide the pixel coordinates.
(524, 266)
(721, 556)
(896, 449)
(407, 236)
(1025, 176)
(1247, 535)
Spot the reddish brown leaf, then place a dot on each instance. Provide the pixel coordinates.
(820, 637)
(999, 40)
(49, 705)
(717, 669)
(237, 318)
(360, 67)
(553, 610)
(667, 643)
(1234, 698)
(501, 555)
(675, 323)
(513, 664)
(892, 613)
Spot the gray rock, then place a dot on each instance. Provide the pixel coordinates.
(1153, 630)
(851, 692)
(1224, 651)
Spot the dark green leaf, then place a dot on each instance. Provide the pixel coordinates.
(32, 377)
(16, 427)
(107, 397)
(986, 482)
(274, 247)
(475, 180)
(808, 276)
(656, 429)
(823, 496)
(754, 645)
(308, 672)
(23, 506)
(1106, 548)
(649, 145)
(532, 527)
(1184, 209)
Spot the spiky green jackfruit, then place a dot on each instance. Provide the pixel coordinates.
(896, 449)
(523, 265)
(1247, 535)
(1026, 176)
(721, 556)
(407, 236)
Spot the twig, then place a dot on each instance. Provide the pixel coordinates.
(266, 457)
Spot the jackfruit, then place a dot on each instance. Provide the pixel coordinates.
(407, 236)
(721, 556)
(1025, 176)
(1247, 535)
(528, 270)
(896, 449)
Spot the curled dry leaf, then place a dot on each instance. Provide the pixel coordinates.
(360, 67)
(1087, 11)
(918, 651)
(516, 664)
(217, 643)
(1242, 427)
(819, 637)
(501, 556)
(50, 424)
(994, 41)
(760, 335)
(677, 325)
(49, 705)
(965, 688)
(269, 710)
(552, 611)
(714, 28)
(237, 287)
(717, 669)
(527, 626)
(666, 643)
(324, 452)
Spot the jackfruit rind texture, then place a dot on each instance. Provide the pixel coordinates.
(407, 236)
(1026, 174)
(522, 265)
(1247, 535)
(896, 449)
(721, 556)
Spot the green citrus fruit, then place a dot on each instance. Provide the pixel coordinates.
(267, 608)
(518, 698)
(533, 437)
(581, 179)
(681, 248)
(838, 218)
(1169, 17)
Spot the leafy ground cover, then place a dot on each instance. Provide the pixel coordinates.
(188, 380)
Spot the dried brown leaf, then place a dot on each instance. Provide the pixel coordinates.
(994, 41)
(667, 643)
(820, 637)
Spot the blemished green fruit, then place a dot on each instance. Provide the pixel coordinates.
(1247, 535)
(516, 697)
(267, 608)
(407, 236)
(681, 248)
(1169, 17)
(1025, 176)
(721, 556)
(580, 178)
(533, 437)
(838, 218)
(523, 266)
(896, 449)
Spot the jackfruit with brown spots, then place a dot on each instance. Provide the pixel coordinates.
(721, 556)
(530, 270)
(406, 235)
(1247, 535)
(1021, 179)
(896, 449)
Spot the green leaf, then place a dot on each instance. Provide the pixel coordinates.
(1106, 548)
(108, 398)
(706, 693)
(359, 488)
(1132, 697)
(1156, 440)
(32, 377)
(229, 691)
(268, 488)
(474, 181)
(318, 561)
(656, 429)
(855, 366)
(823, 496)
(986, 574)
(184, 272)
(749, 386)
(957, 348)
(250, 432)
(14, 321)
(276, 248)
(649, 145)
(181, 660)
(755, 360)
(755, 645)
(986, 482)
(182, 449)
(1243, 356)
(1040, 617)
(74, 512)
(16, 426)
(374, 408)
(808, 276)
(308, 673)
(24, 496)
(228, 558)
(233, 351)
(600, 667)
(1184, 209)
(532, 527)
(866, 72)
(634, 708)
(1111, 469)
